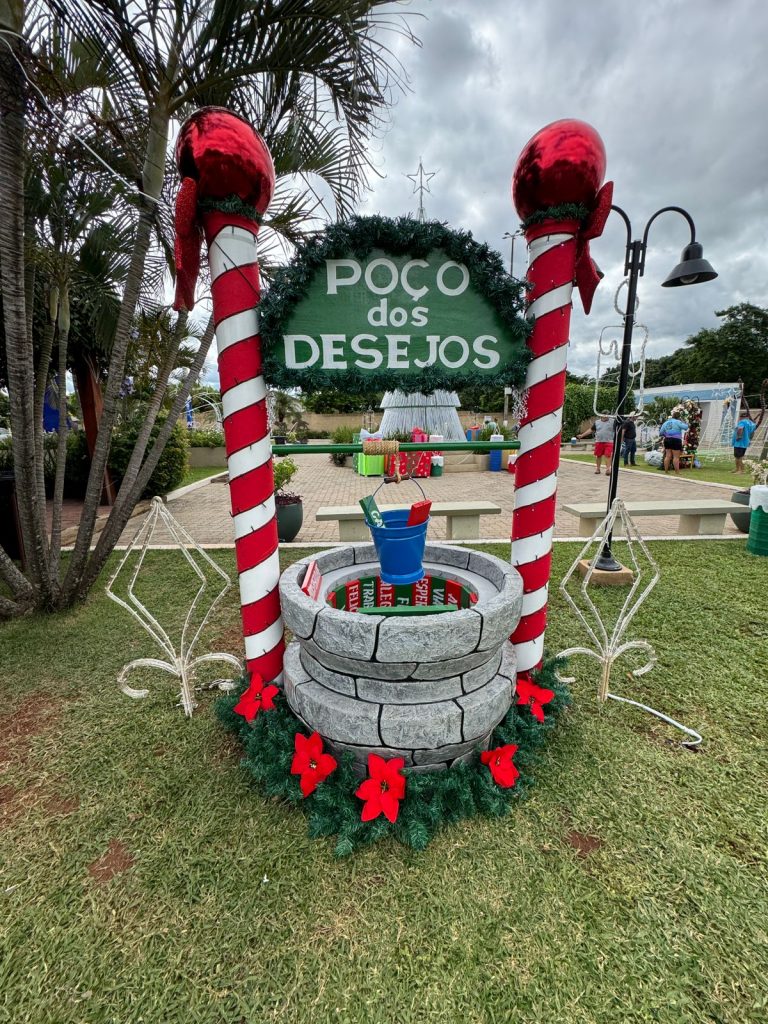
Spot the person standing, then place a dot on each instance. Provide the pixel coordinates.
(742, 435)
(629, 440)
(673, 431)
(604, 430)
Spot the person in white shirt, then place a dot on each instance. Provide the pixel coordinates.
(604, 430)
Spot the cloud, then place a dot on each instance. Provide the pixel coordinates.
(675, 88)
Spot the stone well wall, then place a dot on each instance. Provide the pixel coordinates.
(430, 688)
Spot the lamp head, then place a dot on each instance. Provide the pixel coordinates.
(692, 268)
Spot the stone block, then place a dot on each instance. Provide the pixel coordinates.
(294, 674)
(436, 669)
(467, 758)
(485, 708)
(414, 691)
(446, 554)
(343, 631)
(452, 634)
(446, 753)
(354, 666)
(425, 769)
(426, 725)
(299, 610)
(501, 615)
(477, 677)
(508, 666)
(365, 553)
(336, 716)
(360, 755)
(334, 558)
(333, 680)
(492, 568)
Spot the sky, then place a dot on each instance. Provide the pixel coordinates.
(677, 90)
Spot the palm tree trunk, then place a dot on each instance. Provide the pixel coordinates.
(19, 585)
(118, 518)
(61, 448)
(152, 181)
(19, 351)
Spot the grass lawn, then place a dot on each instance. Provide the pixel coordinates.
(195, 473)
(720, 472)
(144, 879)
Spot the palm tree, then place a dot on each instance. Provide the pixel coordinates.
(313, 76)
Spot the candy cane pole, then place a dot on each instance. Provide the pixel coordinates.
(227, 183)
(559, 171)
(552, 250)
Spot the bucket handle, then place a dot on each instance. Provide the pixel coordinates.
(396, 480)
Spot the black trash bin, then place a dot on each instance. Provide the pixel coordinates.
(10, 531)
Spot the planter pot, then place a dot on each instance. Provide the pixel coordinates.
(279, 439)
(741, 519)
(289, 520)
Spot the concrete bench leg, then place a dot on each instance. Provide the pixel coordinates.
(350, 529)
(586, 526)
(708, 526)
(462, 528)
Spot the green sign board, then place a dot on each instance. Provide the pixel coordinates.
(381, 303)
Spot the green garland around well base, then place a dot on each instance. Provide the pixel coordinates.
(431, 799)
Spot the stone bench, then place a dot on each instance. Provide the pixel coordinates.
(463, 518)
(705, 516)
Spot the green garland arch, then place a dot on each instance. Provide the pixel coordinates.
(431, 800)
(396, 237)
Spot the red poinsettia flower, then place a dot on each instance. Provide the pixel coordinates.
(535, 697)
(501, 765)
(310, 762)
(383, 789)
(256, 698)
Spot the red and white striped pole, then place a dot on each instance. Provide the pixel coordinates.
(227, 184)
(552, 254)
(555, 189)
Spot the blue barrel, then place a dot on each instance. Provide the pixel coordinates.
(494, 463)
(400, 548)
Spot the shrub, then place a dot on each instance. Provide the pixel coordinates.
(6, 453)
(285, 470)
(205, 438)
(168, 474)
(579, 404)
(341, 435)
(171, 468)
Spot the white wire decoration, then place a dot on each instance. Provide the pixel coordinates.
(610, 350)
(182, 664)
(610, 646)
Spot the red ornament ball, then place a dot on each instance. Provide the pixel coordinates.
(225, 156)
(562, 163)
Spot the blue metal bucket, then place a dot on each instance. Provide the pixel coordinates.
(400, 548)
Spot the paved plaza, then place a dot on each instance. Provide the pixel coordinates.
(204, 511)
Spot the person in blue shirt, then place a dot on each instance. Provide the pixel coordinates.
(744, 429)
(673, 432)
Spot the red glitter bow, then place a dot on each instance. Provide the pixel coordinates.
(587, 275)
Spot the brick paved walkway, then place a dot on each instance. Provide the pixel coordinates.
(205, 511)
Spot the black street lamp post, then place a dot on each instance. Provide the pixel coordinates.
(692, 269)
